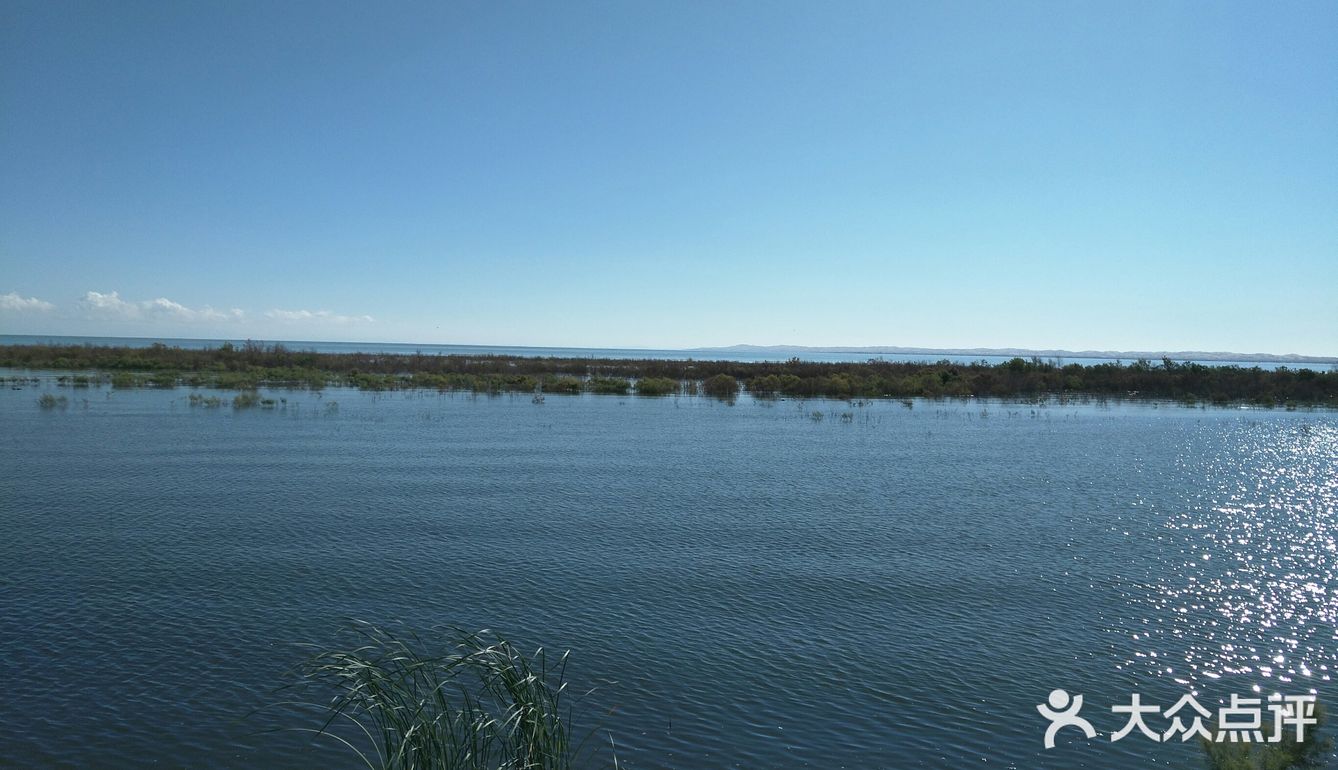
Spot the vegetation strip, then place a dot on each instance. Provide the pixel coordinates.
(252, 365)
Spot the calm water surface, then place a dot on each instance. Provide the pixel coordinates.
(748, 585)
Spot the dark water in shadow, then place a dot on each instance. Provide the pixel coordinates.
(749, 586)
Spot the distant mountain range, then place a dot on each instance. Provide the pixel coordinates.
(1126, 355)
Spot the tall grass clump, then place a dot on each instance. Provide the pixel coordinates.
(480, 703)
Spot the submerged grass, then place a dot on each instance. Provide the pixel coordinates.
(51, 401)
(1276, 752)
(563, 385)
(209, 402)
(616, 386)
(480, 703)
(246, 400)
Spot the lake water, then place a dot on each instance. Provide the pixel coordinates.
(758, 584)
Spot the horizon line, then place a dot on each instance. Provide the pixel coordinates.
(1204, 355)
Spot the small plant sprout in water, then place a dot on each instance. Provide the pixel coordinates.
(478, 703)
(208, 402)
(246, 400)
(51, 401)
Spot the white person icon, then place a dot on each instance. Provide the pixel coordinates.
(1063, 712)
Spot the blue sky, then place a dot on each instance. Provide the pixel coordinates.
(1119, 175)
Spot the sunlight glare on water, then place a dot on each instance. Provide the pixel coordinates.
(1248, 574)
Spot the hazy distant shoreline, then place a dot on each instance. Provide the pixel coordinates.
(731, 352)
(1127, 355)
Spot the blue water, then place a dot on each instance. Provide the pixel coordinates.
(762, 584)
(401, 348)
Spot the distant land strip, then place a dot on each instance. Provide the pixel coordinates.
(1114, 355)
(252, 365)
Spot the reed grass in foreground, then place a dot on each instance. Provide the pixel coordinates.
(480, 703)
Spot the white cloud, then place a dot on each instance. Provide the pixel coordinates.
(12, 301)
(165, 305)
(111, 305)
(320, 316)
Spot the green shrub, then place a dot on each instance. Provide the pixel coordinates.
(162, 380)
(721, 386)
(656, 386)
(609, 385)
(563, 385)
